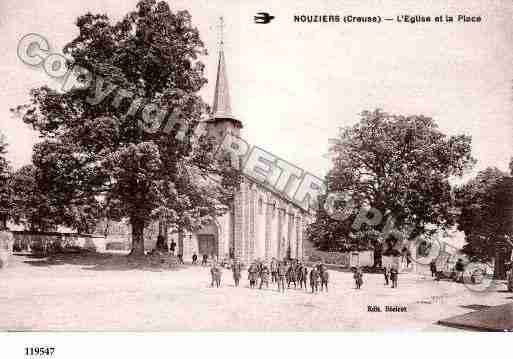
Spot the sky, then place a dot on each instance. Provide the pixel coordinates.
(293, 85)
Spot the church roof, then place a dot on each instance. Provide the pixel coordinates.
(222, 107)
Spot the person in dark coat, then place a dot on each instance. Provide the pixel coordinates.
(292, 275)
(314, 279)
(394, 274)
(386, 273)
(215, 273)
(303, 276)
(274, 270)
(236, 270)
(204, 260)
(282, 275)
(358, 277)
(432, 267)
(459, 267)
(194, 258)
(264, 276)
(252, 275)
(324, 275)
(180, 259)
(172, 247)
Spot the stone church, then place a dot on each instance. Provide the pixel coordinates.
(261, 224)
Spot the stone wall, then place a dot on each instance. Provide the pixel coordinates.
(48, 242)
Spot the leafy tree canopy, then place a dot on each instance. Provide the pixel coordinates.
(103, 152)
(399, 166)
(486, 213)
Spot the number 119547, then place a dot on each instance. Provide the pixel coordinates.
(33, 351)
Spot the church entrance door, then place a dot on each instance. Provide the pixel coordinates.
(207, 244)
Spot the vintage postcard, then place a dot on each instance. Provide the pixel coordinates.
(212, 165)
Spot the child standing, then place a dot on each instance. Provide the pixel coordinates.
(394, 272)
(358, 277)
(215, 272)
(264, 276)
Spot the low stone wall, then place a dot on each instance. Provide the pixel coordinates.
(345, 259)
(48, 242)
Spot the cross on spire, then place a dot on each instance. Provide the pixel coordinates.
(221, 31)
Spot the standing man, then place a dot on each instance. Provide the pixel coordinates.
(252, 274)
(303, 276)
(432, 267)
(314, 279)
(292, 275)
(281, 275)
(324, 275)
(274, 270)
(194, 258)
(386, 273)
(215, 272)
(264, 275)
(236, 270)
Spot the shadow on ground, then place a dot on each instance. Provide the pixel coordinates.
(105, 261)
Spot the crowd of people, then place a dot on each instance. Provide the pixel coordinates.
(284, 274)
(391, 274)
(292, 273)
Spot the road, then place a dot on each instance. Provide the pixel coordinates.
(35, 295)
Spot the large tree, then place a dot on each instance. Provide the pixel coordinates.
(109, 152)
(400, 166)
(486, 217)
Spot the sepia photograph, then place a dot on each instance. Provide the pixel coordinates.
(227, 166)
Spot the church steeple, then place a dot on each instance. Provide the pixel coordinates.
(221, 106)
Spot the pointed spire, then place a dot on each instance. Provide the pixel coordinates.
(221, 107)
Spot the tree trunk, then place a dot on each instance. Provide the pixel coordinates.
(137, 237)
(181, 242)
(378, 251)
(161, 244)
